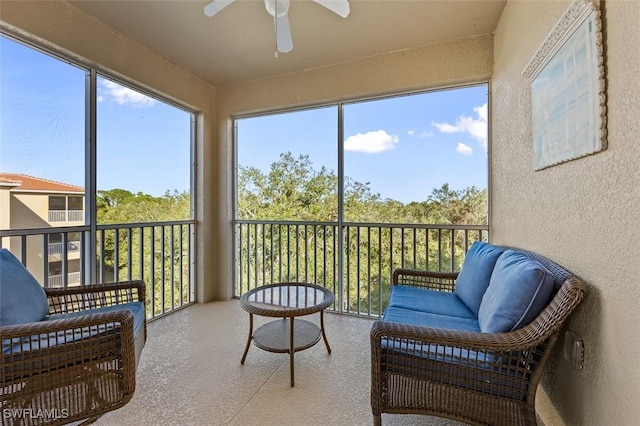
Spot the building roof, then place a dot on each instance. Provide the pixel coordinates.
(29, 183)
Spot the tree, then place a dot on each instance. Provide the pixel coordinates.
(465, 207)
(122, 206)
(119, 206)
(293, 190)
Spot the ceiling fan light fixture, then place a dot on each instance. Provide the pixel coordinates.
(277, 8)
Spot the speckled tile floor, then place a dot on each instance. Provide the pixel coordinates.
(190, 374)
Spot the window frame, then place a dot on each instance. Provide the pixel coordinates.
(92, 71)
(341, 223)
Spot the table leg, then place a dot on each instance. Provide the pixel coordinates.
(324, 336)
(246, 349)
(291, 349)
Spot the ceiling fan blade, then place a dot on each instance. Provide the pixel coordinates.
(339, 7)
(216, 6)
(284, 42)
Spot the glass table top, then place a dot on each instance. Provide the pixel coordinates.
(288, 297)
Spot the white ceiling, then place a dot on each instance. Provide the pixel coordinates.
(238, 43)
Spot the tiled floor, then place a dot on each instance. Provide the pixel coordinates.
(190, 374)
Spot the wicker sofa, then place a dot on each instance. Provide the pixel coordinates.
(471, 346)
(68, 355)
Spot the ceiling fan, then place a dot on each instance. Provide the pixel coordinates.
(279, 9)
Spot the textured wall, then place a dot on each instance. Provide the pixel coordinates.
(5, 213)
(583, 214)
(458, 62)
(61, 28)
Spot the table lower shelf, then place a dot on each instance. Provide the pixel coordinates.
(274, 336)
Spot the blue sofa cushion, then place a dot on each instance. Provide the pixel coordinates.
(427, 319)
(519, 289)
(136, 308)
(475, 274)
(436, 302)
(44, 341)
(22, 299)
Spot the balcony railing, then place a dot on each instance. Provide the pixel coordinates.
(355, 262)
(57, 281)
(66, 215)
(159, 253)
(57, 248)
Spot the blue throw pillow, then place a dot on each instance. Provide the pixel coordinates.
(519, 290)
(475, 274)
(22, 299)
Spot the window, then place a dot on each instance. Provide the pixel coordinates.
(403, 157)
(344, 194)
(141, 157)
(406, 156)
(76, 203)
(57, 203)
(287, 165)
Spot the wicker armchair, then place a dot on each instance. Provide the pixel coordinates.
(473, 377)
(79, 362)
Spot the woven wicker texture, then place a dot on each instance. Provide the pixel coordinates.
(286, 300)
(91, 374)
(274, 336)
(477, 378)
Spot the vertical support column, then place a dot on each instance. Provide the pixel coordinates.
(89, 253)
(292, 347)
(340, 227)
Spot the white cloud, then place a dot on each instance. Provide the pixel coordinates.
(123, 95)
(464, 149)
(426, 134)
(446, 127)
(371, 142)
(410, 132)
(475, 127)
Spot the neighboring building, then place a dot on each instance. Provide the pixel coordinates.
(29, 202)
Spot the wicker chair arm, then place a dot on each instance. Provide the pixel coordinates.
(431, 280)
(121, 316)
(73, 299)
(38, 348)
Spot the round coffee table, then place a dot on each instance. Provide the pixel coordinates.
(286, 301)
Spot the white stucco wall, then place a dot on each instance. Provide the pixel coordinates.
(61, 28)
(5, 203)
(583, 214)
(440, 65)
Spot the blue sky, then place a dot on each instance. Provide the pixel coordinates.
(143, 145)
(403, 146)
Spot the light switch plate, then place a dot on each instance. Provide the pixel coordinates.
(574, 350)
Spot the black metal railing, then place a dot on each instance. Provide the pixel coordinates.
(159, 253)
(356, 263)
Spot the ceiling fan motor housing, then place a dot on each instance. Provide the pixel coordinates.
(277, 8)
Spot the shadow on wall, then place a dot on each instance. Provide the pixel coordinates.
(571, 389)
(26, 217)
